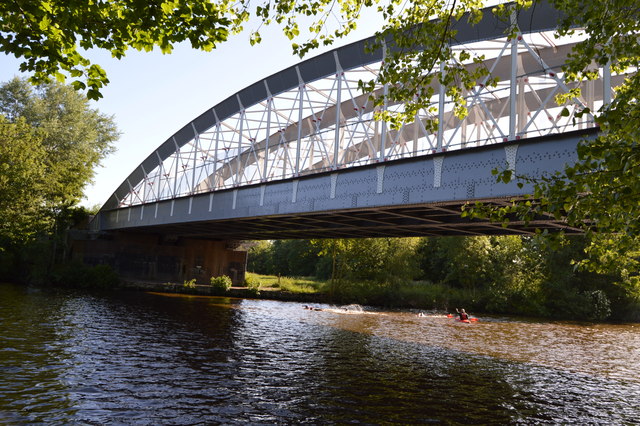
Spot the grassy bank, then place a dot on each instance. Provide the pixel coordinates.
(426, 295)
(301, 285)
(419, 294)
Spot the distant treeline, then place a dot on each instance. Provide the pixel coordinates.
(524, 275)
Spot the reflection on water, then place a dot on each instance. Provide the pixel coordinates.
(167, 359)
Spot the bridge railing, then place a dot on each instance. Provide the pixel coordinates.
(327, 124)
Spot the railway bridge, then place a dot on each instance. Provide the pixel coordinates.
(300, 155)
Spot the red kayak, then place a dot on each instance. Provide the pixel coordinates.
(467, 321)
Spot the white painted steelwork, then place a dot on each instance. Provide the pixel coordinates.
(324, 123)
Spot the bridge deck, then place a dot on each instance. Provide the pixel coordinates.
(412, 197)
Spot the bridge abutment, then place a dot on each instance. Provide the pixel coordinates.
(163, 258)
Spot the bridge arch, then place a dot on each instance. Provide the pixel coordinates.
(310, 118)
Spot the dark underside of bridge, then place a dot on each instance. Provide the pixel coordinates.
(406, 221)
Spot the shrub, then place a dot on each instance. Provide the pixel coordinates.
(103, 276)
(600, 305)
(190, 284)
(252, 281)
(77, 274)
(221, 284)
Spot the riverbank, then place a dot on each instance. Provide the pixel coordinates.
(238, 292)
(416, 295)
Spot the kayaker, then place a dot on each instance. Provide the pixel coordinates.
(463, 315)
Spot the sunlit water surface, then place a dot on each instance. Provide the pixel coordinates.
(136, 358)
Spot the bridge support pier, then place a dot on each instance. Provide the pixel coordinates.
(163, 258)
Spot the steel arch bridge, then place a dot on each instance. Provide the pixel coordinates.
(310, 120)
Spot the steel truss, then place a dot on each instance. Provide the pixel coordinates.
(326, 124)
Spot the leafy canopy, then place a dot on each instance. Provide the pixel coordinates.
(51, 35)
(50, 143)
(22, 180)
(600, 193)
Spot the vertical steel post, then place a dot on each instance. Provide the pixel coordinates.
(416, 120)
(441, 95)
(144, 184)
(268, 138)
(383, 130)
(285, 158)
(238, 160)
(606, 82)
(336, 144)
(177, 163)
(465, 122)
(239, 154)
(195, 158)
(521, 104)
(214, 184)
(299, 139)
(513, 87)
(130, 192)
(385, 105)
(589, 97)
(300, 112)
(161, 166)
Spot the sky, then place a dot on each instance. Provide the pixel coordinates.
(151, 96)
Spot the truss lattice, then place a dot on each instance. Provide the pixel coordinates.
(326, 124)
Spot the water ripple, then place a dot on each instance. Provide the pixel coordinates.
(134, 358)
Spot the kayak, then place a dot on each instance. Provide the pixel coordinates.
(467, 321)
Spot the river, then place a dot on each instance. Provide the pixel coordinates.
(143, 358)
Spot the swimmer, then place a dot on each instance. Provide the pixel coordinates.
(312, 308)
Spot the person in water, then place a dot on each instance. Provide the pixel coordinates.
(463, 315)
(312, 308)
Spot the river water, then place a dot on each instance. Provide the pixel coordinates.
(143, 358)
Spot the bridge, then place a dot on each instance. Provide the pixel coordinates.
(299, 154)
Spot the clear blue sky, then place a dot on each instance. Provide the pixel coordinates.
(152, 95)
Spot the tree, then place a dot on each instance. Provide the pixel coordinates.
(50, 35)
(381, 260)
(22, 180)
(75, 137)
(51, 140)
(463, 262)
(259, 258)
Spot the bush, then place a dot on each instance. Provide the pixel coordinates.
(221, 284)
(600, 304)
(190, 284)
(103, 276)
(252, 281)
(79, 275)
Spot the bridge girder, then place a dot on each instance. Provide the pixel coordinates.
(415, 196)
